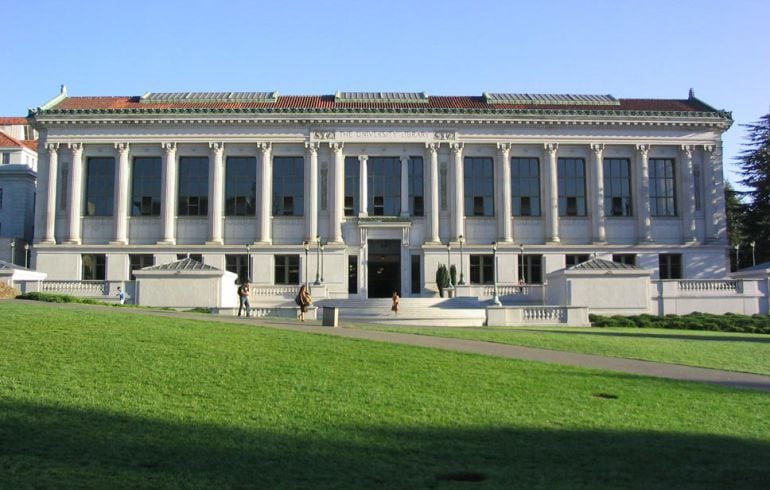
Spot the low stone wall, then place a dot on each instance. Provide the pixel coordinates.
(512, 316)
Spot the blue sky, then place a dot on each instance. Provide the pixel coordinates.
(635, 49)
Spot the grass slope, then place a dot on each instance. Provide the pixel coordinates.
(95, 399)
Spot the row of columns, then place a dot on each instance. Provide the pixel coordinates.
(502, 176)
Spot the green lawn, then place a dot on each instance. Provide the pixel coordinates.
(749, 353)
(104, 398)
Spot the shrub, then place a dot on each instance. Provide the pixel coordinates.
(729, 322)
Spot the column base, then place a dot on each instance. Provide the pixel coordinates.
(166, 242)
(553, 240)
(119, 242)
(49, 241)
(71, 241)
(600, 241)
(214, 242)
(262, 243)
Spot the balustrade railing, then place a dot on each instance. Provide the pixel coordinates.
(77, 288)
(708, 285)
(549, 314)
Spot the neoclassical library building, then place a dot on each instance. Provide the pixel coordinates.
(366, 193)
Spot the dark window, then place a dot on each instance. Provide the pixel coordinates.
(139, 261)
(195, 257)
(100, 186)
(628, 259)
(416, 274)
(287, 269)
(384, 186)
(617, 187)
(525, 187)
(193, 198)
(575, 259)
(531, 269)
(416, 186)
(324, 188)
(238, 264)
(662, 187)
(572, 187)
(482, 269)
(352, 274)
(479, 185)
(670, 266)
(93, 267)
(1, 198)
(64, 187)
(145, 186)
(379, 206)
(240, 186)
(6, 158)
(288, 186)
(352, 173)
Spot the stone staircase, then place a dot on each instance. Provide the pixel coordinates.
(440, 312)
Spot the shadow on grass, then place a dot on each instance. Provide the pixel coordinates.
(755, 337)
(43, 446)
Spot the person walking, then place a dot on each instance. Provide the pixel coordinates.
(121, 296)
(304, 301)
(243, 295)
(396, 303)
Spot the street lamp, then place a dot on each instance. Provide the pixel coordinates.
(521, 269)
(248, 263)
(462, 278)
(13, 246)
(307, 249)
(322, 262)
(753, 256)
(496, 297)
(317, 258)
(26, 255)
(448, 258)
(737, 256)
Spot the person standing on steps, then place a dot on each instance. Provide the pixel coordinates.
(243, 295)
(304, 300)
(396, 303)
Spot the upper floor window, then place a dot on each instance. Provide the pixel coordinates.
(617, 187)
(482, 269)
(384, 186)
(288, 186)
(1, 198)
(443, 186)
(100, 186)
(6, 158)
(240, 186)
(94, 266)
(670, 266)
(525, 187)
(572, 186)
(139, 261)
(697, 177)
(662, 187)
(145, 186)
(479, 184)
(531, 269)
(63, 186)
(352, 177)
(193, 193)
(324, 188)
(287, 269)
(416, 187)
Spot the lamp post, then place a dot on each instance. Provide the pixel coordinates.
(13, 247)
(753, 255)
(26, 255)
(307, 249)
(521, 269)
(737, 256)
(462, 275)
(248, 263)
(317, 259)
(448, 258)
(322, 262)
(496, 297)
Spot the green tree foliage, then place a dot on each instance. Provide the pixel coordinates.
(736, 225)
(754, 162)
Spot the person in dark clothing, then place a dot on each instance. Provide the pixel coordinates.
(243, 295)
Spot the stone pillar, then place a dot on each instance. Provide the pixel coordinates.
(552, 193)
(643, 191)
(121, 196)
(337, 203)
(404, 186)
(266, 192)
(311, 195)
(75, 194)
(216, 191)
(433, 210)
(168, 198)
(363, 186)
(458, 172)
(50, 203)
(689, 231)
(598, 216)
(504, 231)
(713, 187)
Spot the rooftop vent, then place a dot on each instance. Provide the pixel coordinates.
(402, 97)
(549, 99)
(208, 97)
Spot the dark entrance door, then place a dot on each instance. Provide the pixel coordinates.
(384, 268)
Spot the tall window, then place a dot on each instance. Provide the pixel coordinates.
(698, 180)
(384, 186)
(670, 266)
(239, 265)
(93, 267)
(145, 186)
(193, 193)
(287, 269)
(139, 261)
(416, 273)
(64, 187)
(525, 187)
(6, 158)
(617, 187)
(100, 186)
(1, 198)
(240, 186)
(572, 186)
(352, 174)
(479, 185)
(482, 269)
(288, 186)
(443, 187)
(531, 269)
(352, 274)
(416, 187)
(662, 187)
(324, 191)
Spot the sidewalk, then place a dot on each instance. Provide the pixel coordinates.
(629, 366)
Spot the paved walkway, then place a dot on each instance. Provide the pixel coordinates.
(630, 366)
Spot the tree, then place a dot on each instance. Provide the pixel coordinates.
(754, 162)
(736, 224)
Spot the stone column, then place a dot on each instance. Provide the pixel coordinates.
(266, 192)
(75, 194)
(168, 198)
(643, 191)
(404, 186)
(363, 186)
(121, 196)
(598, 216)
(311, 195)
(433, 210)
(552, 193)
(505, 232)
(337, 203)
(50, 203)
(216, 191)
(458, 215)
(713, 190)
(689, 231)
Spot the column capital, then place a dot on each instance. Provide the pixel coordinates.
(404, 160)
(643, 150)
(264, 147)
(336, 146)
(597, 148)
(687, 151)
(432, 147)
(52, 147)
(456, 147)
(121, 147)
(217, 147)
(550, 148)
(363, 158)
(709, 148)
(312, 146)
(168, 147)
(75, 147)
(504, 148)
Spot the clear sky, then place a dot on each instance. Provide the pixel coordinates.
(627, 48)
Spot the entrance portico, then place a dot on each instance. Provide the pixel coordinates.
(384, 257)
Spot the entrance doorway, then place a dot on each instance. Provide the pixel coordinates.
(384, 268)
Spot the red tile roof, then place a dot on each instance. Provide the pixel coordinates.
(9, 141)
(13, 121)
(31, 144)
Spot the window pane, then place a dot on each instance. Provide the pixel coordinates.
(193, 193)
(479, 186)
(240, 186)
(100, 186)
(571, 185)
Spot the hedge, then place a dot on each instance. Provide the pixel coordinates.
(729, 322)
